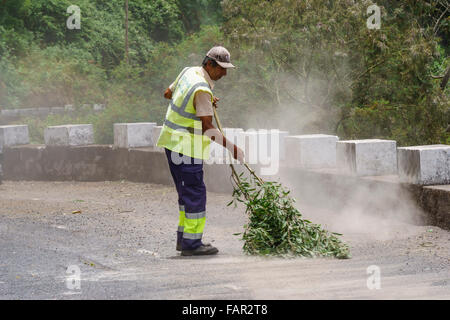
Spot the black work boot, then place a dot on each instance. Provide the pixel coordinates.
(203, 250)
(180, 249)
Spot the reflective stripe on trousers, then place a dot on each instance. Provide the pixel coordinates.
(181, 219)
(188, 179)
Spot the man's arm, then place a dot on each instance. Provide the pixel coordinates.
(209, 130)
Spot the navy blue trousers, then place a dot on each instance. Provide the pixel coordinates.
(187, 174)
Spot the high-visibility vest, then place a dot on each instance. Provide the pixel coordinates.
(182, 129)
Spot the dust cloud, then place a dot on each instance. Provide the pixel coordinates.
(300, 106)
(377, 207)
(379, 210)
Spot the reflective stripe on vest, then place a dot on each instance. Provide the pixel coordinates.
(182, 126)
(175, 126)
(181, 110)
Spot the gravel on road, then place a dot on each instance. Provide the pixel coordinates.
(116, 240)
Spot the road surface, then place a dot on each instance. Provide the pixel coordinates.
(120, 244)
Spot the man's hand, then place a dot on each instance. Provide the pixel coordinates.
(215, 100)
(168, 94)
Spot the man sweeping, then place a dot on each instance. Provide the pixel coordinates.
(186, 135)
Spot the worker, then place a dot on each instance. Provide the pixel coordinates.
(186, 135)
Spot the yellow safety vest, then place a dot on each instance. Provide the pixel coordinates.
(182, 129)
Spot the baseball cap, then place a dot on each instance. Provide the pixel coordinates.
(221, 56)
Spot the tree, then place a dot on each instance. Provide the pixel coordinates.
(318, 59)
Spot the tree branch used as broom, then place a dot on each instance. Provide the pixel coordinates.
(234, 174)
(233, 170)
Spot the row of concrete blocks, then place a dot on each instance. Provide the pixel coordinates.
(423, 165)
(126, 135)
(42, 111)
(31, 111)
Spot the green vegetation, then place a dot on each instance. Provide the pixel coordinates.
(303, 66)
(276, 227)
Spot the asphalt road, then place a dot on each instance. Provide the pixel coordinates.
(121, 245)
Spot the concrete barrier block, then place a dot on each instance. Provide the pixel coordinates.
(10, 112)
(69, 135)
(370, 157)
(69, 107)
(27, 112)
(311, 151)
(57, 110)
(43, 111)
(134, 135)
(424, 165)
(98, 107)
(13, 135)
(280, 136)
(23, 112)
